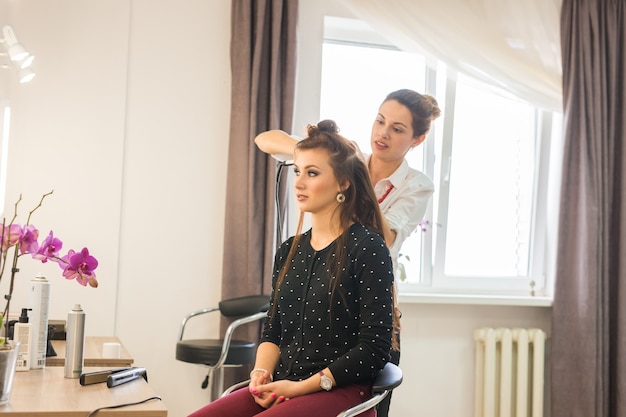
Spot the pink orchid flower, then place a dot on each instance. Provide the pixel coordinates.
(28, 241)
(11, 235)
(49, 249)
(80, 265)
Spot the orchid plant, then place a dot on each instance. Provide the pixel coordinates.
(18, 240)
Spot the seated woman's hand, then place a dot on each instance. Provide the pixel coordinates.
(258, 379)
(274, 393)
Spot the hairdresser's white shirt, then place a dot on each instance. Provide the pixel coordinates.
(406, 203)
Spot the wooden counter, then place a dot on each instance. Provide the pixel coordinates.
(46, 392)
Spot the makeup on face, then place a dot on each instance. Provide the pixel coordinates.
(392, 132)
(315, 184)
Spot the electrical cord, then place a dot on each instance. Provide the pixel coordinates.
(93, 413)
(279, 219)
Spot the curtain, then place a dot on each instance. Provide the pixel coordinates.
(508, 43)
(589, 319)
(263, 64)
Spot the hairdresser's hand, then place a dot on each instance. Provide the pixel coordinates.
(274, 393)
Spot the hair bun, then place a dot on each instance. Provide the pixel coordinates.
(328, 126)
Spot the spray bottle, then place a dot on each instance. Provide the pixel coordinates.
(39, 304)
(75, 343)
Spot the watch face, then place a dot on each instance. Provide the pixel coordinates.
(326, 383)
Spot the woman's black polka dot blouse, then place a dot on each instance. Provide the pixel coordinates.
(351, 335)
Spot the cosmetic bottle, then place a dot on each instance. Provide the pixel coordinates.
(22, 332)
(39, 303)
(75, 343)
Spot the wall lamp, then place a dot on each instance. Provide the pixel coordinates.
(18, 55)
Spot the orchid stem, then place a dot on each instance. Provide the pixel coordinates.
(16, 255)
(38, 205)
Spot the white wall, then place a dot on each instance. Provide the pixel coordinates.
(127, 120)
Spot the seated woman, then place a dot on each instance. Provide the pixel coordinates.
(330, 327)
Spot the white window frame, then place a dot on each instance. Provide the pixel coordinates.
(442, 289)
(5, 125)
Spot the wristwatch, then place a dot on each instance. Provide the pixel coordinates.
(325, 382)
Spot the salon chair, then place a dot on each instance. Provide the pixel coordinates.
(219, 353)
(386, 380)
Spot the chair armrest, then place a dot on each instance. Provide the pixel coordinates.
(229, 334)
(235, 387)
(192, 315)
(387, 378)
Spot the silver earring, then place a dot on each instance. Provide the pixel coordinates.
(341, 197)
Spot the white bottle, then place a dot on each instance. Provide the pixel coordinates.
(23, 333)
(39, 303)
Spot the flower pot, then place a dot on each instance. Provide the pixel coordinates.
(8, 360)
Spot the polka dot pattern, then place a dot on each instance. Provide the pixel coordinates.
(348, 331)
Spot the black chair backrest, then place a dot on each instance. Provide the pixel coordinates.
(244, 306)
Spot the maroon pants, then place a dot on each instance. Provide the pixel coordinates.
(240, 403)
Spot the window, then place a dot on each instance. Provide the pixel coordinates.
(5, 118)
(486, 155)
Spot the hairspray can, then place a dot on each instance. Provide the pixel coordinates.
(39, 304)
(75, 343)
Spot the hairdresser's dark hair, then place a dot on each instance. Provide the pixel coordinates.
(360, 204)
(424, 108)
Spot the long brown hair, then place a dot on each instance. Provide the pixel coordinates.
(360, 204)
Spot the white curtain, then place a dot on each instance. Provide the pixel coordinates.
(513, 44)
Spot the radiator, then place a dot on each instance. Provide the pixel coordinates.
(509, 372)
